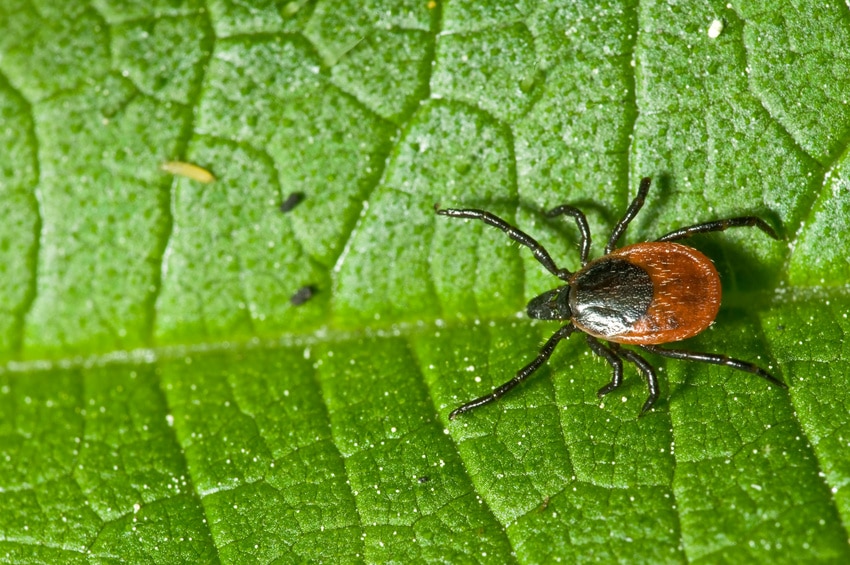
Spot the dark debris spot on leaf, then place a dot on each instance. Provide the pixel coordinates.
(302, 295)
(291, 202)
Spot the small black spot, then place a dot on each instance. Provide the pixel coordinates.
(302, 295)
(291, 202)
(423, 479)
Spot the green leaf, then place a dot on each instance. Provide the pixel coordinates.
(164, 401)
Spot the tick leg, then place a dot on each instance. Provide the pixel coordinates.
(645, 368)
(513, 232)
(715, 359)
(719, 225)
(612, 358)
(523, 373)
(581, 222)
(634, 208)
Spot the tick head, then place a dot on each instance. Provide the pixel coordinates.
(551, 305)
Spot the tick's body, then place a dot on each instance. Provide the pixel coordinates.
(645, 294)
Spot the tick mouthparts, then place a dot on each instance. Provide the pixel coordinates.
(551, 305)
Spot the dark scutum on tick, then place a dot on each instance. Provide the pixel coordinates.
(646, 294)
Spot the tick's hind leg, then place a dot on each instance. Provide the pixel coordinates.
(613, 359)
(715, 359)
(720, 225)
(523, 373)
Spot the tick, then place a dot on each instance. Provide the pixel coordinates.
(645, 295)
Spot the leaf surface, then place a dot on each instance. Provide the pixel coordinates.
(165, 401)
